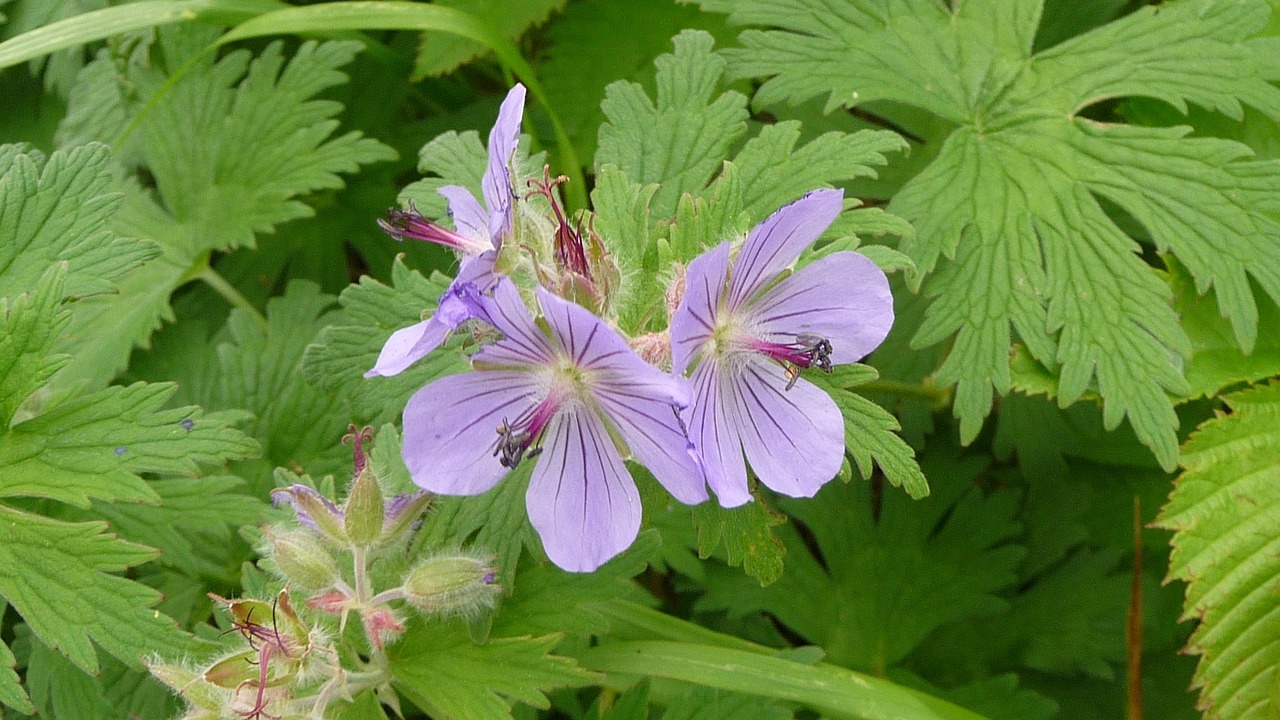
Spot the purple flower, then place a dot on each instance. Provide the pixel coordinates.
(569, 396)
(480, 231)
(752, 328)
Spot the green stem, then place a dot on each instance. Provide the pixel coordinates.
(230, 293)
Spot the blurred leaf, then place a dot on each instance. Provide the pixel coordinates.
(867, 590)
(441, 53)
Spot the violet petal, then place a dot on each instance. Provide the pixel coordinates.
(843, 297)
(694, 321)
(451, 429)
(581, 499)
(468, 217)
(523, 344)
(778, 241)
(498, 194)
(407, 345)
(712, 426)
(794, 439)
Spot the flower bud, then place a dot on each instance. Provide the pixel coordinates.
(313, 510)
(455, 584)
(364, 511)
(302, 560)
(403, 513)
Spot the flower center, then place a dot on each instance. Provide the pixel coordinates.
(522, 437)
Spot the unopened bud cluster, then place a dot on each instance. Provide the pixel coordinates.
(291, 663)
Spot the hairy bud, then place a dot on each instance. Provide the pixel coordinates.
(451, 584)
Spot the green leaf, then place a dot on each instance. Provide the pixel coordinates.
(28, 328)
(1011, 201)
(1000, 698)
(775, 172)
(831, 690)
(99, 445)
(870, 431)
(713, 704)
(538, 606)
(869, 594)
(61, 690)
(231, 147)
(59, 579)
(493, 522)
(657, 158)
(443, 53)
(106, 22)
(336, 16)
(440, 670)
(194, 524)
(1075, 615)
(58, 210)
(1217, 361)
(11, 691)
(748, 535)
(1222, 512)
(680, 138)
(258, 368)
(586, 53)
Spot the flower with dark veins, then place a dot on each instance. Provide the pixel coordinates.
(750, 329)
(479, 234)
(574, 397)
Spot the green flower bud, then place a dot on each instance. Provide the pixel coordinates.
(303, 560)
(364, 512)
(454, 584)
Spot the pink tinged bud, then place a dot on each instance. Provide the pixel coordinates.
(654, 348)
(302, 560)
(675, 291)
(381, 625)
(333, 603)
(452, 585)
(364, 511)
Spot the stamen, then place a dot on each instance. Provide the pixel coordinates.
(808, 350)
(401, 224)
(523, 438)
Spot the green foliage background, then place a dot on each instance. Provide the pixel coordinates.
(1058, 495)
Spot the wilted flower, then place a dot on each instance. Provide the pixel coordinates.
(568, 396)
(752, 329)
(480, 231)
